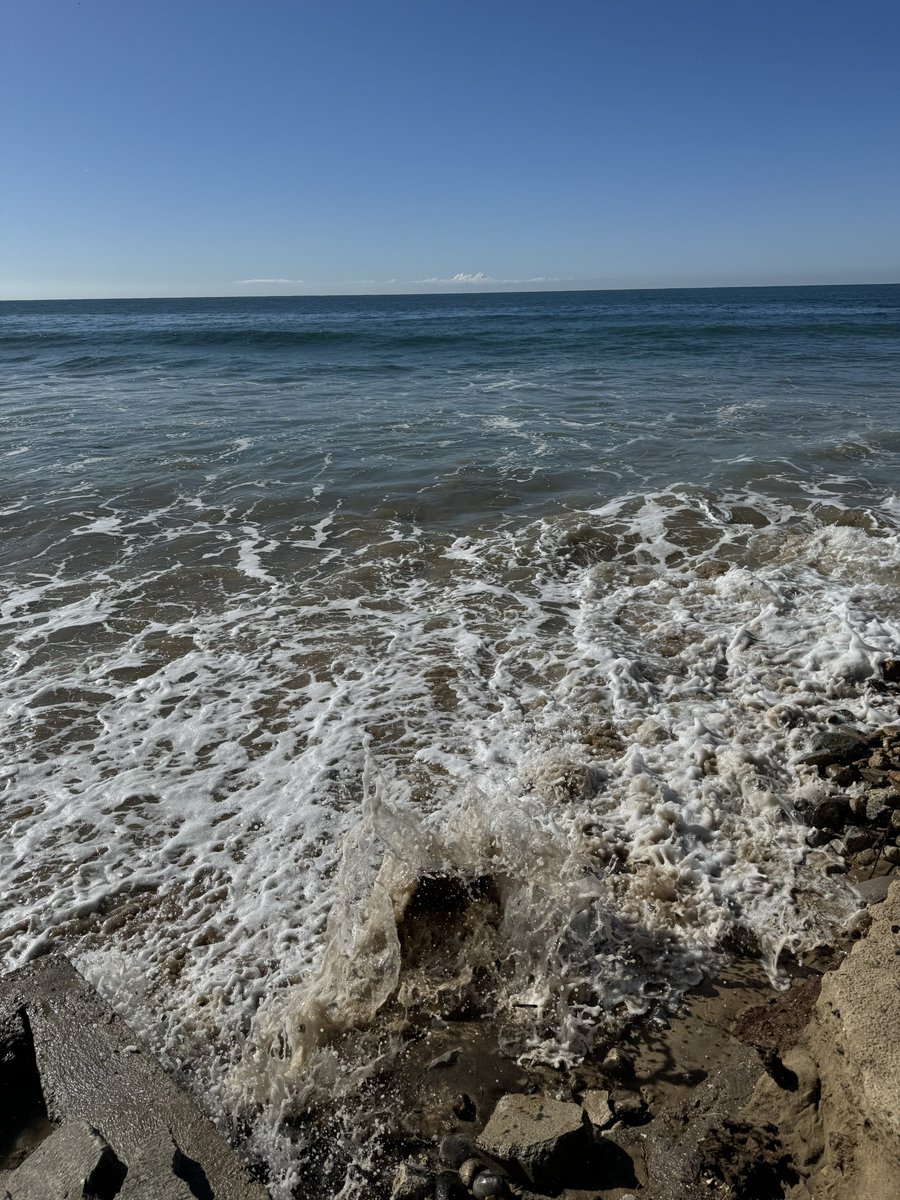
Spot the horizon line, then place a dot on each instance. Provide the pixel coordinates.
(459, 290)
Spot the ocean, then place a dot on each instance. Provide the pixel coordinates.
(376, 660)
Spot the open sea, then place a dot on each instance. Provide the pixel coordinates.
(538, 596)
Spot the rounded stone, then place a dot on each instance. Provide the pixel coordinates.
(469, 1169)
(487, 1184)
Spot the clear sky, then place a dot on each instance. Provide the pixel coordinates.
(231, 147)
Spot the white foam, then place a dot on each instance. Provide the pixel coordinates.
(219, 806)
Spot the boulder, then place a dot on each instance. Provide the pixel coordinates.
(836, 746)
(830, 814)
(839, 1119)
(539, 1135)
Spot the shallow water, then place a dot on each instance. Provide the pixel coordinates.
(304, 600)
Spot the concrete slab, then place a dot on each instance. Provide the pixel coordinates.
(94, 1073)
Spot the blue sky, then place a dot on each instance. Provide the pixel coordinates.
(159, 148)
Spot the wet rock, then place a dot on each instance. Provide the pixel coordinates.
(73, 1161)
(890, 670)
(874, 807)
(487, 1184)
(836, 746)
(865, 858)
(454, 1149)
(469, 1169)
(819, 837)
(539, 1135)
(412, 1183)
(855, 839)
(891, 854)
(464, 1107)
(447, 1186)
(842, 774)
(630, 1107)
(597, 1108)
(873, 891)
(618, 1064)
(447, 1059)
(830, 814)
(159, 1171)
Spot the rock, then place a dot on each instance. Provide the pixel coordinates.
(454, 1150)
(538, 1134)
(819, 837)
(836, 746)
(486, 1184)
(73, 1161)
(830, 814)
(865, 858)
(890, 670)
(448, 1187)
(891, 854)
(630, 1107)
(161, 1172)
(874, 807)
(464, 1108)
(873, 891)
(855, 839)
(618, 1064)
(840, 1122)
(842, 774)
(469, 1169)
(597, 1110)
(448, 1059)
(412, 1183)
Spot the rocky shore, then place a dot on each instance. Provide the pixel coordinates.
(747, 1093)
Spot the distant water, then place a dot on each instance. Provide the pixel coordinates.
(304, 599)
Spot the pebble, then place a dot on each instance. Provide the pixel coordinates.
(469, 1169)
(488, 1183)
(618, 1063)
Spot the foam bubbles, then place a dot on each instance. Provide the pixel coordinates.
(224, 776)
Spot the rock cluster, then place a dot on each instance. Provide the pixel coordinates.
(533, 1146)
(864, 810)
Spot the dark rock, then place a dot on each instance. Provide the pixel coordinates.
(836, 746)
(890, 670)
(464, 1108)
(486, 1184)
(630, 1107)
(841, 773)
(830, 814)
(891, 854)
(454, 1149)
(856, 838)
(618, 1064)
(865, 858)
(875, 806)
(538, 1134)
(447, 1186)
(412, 1183)
(873, 891)
(819, 837)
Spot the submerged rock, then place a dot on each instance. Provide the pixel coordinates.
(836, 746)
